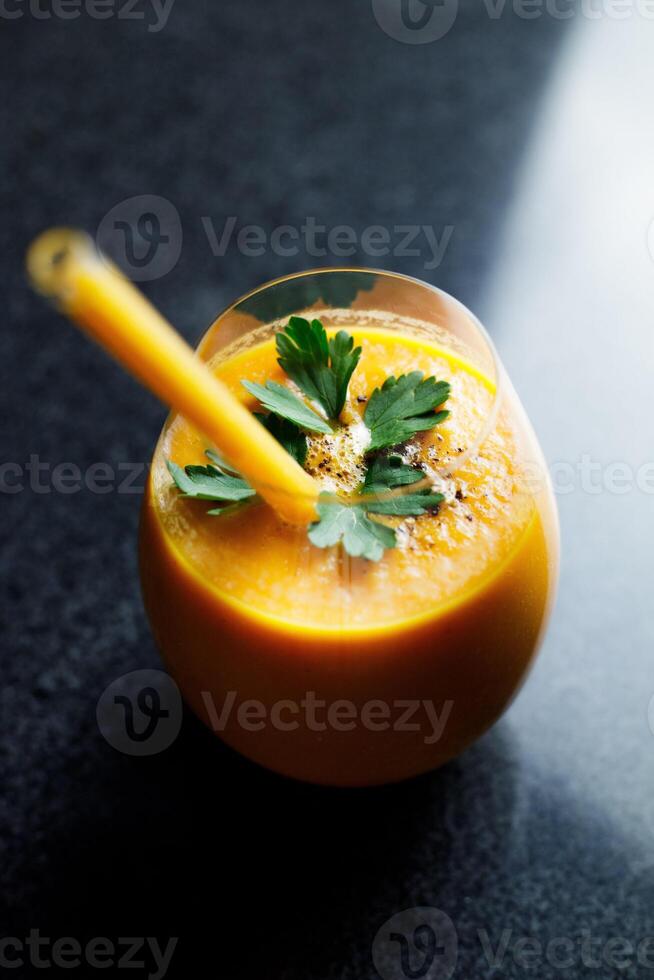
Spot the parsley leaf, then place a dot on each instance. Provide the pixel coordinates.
(344, 358)
(404, 406)
(351, 524)
(221, 463)
(210, 483)
(361, 537)
(278, 399)
(322, 368)
(287, 434)
(389, 473)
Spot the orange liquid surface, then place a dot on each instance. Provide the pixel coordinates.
(438, 556)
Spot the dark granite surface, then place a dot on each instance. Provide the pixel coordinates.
(530, 138)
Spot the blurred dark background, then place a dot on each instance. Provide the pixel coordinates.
(530, 139)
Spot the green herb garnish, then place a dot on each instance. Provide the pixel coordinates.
(404, 406)
(278, 399)
(287, 434)
(221, 463)
(390, 473)
(349, 524)
(322, 368)
(211, 482)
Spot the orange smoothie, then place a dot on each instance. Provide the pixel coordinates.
(340, 670)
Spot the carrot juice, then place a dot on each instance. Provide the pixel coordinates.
(321, 663)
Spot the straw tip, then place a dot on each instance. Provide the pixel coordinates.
(45, 259)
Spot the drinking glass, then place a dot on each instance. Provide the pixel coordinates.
(327, 667)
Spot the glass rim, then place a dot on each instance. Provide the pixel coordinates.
(443, 472)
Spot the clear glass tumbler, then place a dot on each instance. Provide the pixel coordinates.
(332, 668)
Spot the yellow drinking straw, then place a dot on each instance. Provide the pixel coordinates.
(64, 265)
